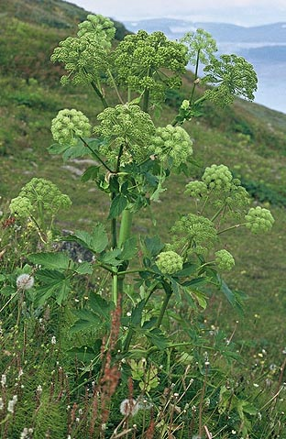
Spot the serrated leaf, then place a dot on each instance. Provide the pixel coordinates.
(74, 151)
(87, 320)
(187, 270)
(228, 293)
(129, 249)
(91, 173)
(52, 261)
(136, 315)
(56, 148)
(55, 284)
(118, 204)
(111, 257)
(96, 241)
(157, 338)
(195, 282)
(201, 298)
(154, 245)
(100, 306)
(99, 239)
(85, 268)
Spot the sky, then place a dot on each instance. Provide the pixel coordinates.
(240, 12)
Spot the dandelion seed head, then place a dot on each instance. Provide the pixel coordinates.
(25, 281)
(129, 407)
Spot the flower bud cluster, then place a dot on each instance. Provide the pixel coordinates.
(86, 56)
(169, 262)
(125, 126)
(68, 125)
(224, 260)
(259, 220)
(233, 76)
(219, 186)
(195, 233)
(172, 145)
(217, 177)
(39, 194)
(21, 207)
(102, 27)
(196, 189)
(138, 57)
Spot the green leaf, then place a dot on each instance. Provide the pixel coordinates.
(86, 320)
(235, 298)
(157, 338)
(195, 282)
(74, 151)
(99, 238)
(52, 261)
(85, 268)
(136, 315)
(86, 354)
(200, 297)
(55, 284)
(129, 249)
(100, 306)
(91, 173)
(56, 148)
(96, 241)
(187, 270)
(153, 246)
(111, 257)
(117, 206)
(8, 290)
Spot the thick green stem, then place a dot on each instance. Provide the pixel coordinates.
(163, 309)
(125, 227)
(115, 289)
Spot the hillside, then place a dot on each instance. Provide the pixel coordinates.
(249, 138)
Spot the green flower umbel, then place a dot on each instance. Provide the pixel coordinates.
(259, 220)
(169, 262)
(172, 145)
(224, 260)
(125, 127)
(217, 177)
(68, 125)
(39, 195)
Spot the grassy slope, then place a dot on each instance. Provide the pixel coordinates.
(247, 137)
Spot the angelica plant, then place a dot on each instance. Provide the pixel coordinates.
(134, 158)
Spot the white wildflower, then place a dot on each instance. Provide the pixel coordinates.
(3, 380)
(53, 340)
